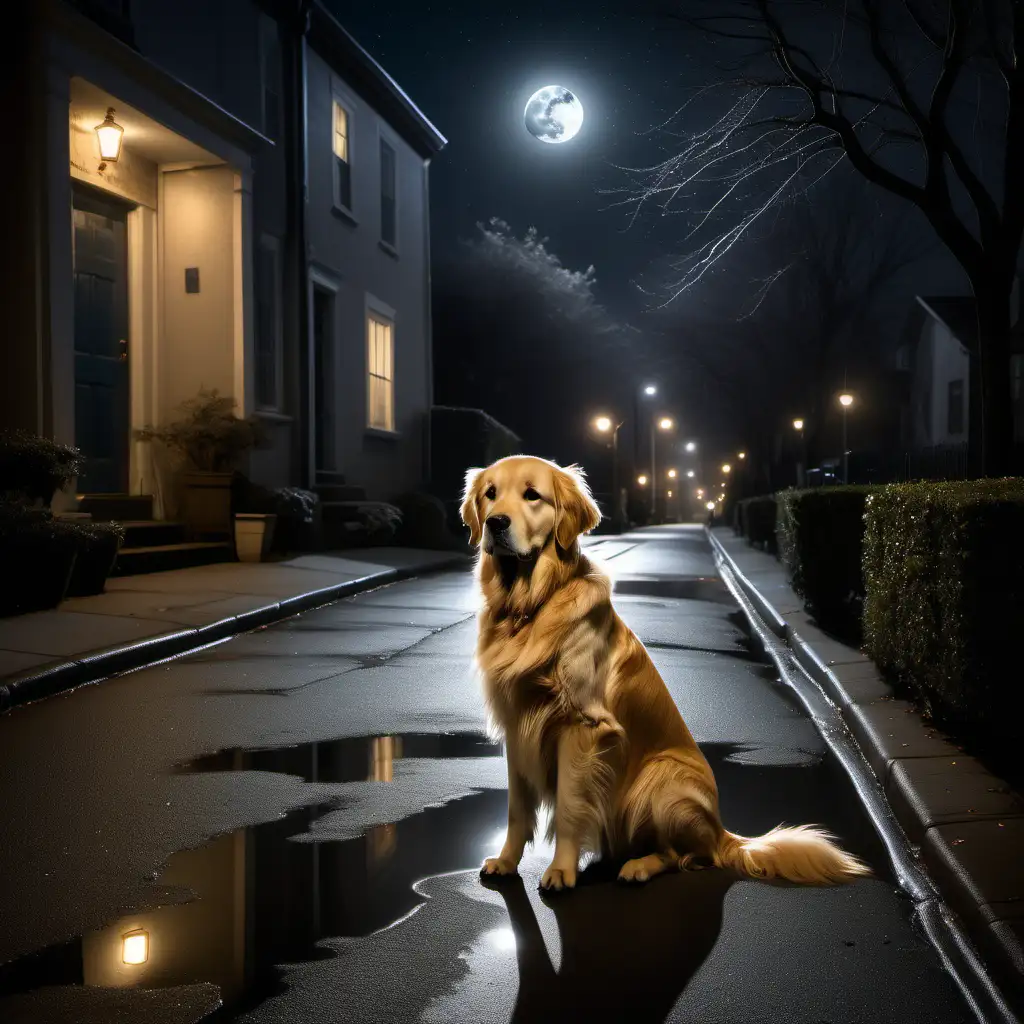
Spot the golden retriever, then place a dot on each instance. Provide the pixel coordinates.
(589, 727)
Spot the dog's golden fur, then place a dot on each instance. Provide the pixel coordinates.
(590, 729)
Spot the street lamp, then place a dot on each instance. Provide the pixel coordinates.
(690, 473)
(845, 400)
(672, 474)
(741, 455)
(650, 389)
(642, 480)
(691, 446)
(798, 424)
(801, 466)
(662, 423)
(727, 468)
(606, 425)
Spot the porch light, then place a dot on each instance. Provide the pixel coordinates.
(109, 134)
(135, 946)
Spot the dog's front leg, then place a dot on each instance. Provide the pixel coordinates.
(571, 807)
(522, 818)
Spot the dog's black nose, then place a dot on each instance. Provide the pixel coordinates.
(498, 524)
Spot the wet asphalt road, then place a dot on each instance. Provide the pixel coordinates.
(319, 795)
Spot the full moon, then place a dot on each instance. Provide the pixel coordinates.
(553, 114)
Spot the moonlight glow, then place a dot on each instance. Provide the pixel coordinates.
(553, 114)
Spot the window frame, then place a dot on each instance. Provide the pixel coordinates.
(379, 312)
(340, 100)
(383, 139)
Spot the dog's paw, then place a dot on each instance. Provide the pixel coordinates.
(499, 866)
(634, 872)
(557, 879)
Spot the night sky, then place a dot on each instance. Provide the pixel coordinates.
(471, 67)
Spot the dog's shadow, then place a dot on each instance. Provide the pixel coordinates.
(628, 951)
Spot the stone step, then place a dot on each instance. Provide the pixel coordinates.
(150, 533)
(117, 507)
(162, 557)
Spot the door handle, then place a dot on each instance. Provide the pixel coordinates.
(124, 349)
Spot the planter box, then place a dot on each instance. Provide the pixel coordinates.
(207, 505)
(254, 533)
(37, 568)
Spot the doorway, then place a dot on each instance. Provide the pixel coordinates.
(324, 412)
(102, 413)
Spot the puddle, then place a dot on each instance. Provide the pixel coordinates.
(261, 900)
(355, 759)
(693, 588)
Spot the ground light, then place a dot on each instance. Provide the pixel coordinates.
(135, 947)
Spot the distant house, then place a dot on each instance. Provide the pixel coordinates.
(263, 230)
(938, 355)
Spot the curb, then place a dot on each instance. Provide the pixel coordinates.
(95, 666)
(898, 822)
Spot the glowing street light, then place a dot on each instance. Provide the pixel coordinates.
(727, 468)
(691, 446)
(700, 492)
(665, 423)
(642, 480)
(603, 423)
(650, 389)
(672, 474)
(741, 455)
(710, 506)
(690, 473)
(135, 947)
(845, 400)
(662, 423)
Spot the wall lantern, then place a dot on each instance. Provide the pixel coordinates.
(135, 946)
(109, 134)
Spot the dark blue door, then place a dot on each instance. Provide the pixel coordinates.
(101, 344)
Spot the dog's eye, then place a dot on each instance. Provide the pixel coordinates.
(491, 493)
(531, 495)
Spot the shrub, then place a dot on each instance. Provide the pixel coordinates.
(210, 437)
(296, 509)
(821, 541)
(424, 523)
(944, 566)
(759, 521)
(38, 558)
(33, 469)
(96, 545)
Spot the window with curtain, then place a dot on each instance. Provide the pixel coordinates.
(381, 378)
(342, 157)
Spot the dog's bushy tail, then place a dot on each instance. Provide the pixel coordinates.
(802, 854)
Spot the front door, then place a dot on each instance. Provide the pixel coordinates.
(102, 417)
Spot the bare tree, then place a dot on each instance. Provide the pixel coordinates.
(911, 93)
(811, 299)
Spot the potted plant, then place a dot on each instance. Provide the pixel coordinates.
(33, 469)
(254, 533)
(97, 545)
(38, 557)
(210, 440)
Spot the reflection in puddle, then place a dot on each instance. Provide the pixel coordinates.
(261, 900)
(355, 759)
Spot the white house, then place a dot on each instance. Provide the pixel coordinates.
(260, 226)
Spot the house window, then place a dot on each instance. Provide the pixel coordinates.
(380, 335)
(268, 324)
(388, 222)
(342, 156)
(955, 409)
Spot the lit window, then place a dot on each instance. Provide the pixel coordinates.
(388, 226)
(342, 156)
(380, 361)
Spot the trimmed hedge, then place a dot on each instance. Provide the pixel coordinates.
(97, 545)
(33, 469)
(944, 566)
(820, 537)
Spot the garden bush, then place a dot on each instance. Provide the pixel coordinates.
(424, 523)
(944, 568)
(821, 542)
(33, 469)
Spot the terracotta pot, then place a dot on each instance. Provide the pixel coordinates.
(207, 505)
(254, 533)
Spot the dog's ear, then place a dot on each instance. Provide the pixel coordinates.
(470, 511)
(577, 512)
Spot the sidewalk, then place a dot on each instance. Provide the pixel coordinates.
(141, 619)
(966, 824)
